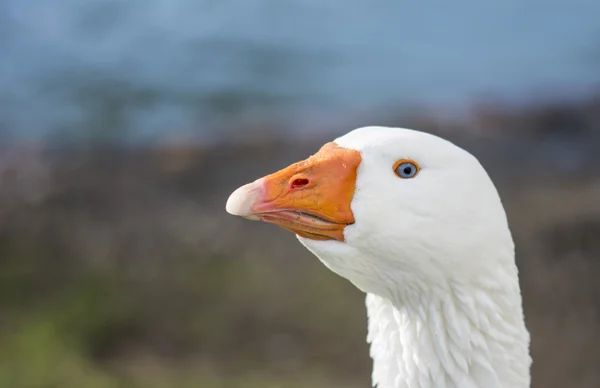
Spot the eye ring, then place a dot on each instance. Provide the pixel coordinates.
(406, 168)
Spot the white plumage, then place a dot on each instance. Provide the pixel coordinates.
(435, 257)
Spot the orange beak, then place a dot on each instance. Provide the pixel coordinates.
(310, 198)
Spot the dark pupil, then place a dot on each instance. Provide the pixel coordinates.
(407, 170)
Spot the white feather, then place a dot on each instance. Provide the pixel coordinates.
(436, 258)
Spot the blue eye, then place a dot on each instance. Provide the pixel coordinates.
(407, 170)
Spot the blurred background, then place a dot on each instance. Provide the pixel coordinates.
(125, 124)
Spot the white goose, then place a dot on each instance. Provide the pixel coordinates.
(416, 223)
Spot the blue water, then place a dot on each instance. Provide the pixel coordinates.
(285, 56)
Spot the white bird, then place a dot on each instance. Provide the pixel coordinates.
(416, 223)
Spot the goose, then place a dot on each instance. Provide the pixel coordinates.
(416, 223)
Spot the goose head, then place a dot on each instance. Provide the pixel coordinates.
(392, 210)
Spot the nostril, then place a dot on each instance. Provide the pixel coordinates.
(298, 183)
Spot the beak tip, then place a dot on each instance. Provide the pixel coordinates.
(242, 200)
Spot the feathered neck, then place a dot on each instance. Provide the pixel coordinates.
(459, 336)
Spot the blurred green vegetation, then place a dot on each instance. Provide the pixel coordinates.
(200, 319)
